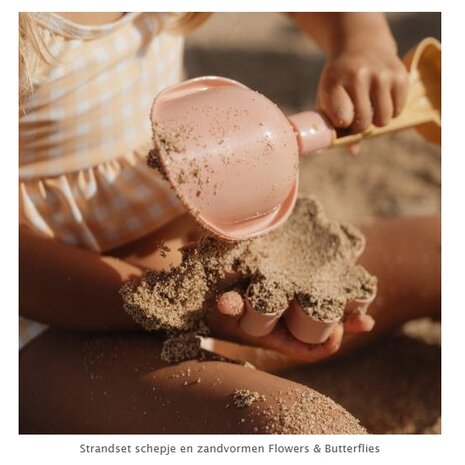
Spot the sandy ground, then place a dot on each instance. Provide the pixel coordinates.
(394, 387)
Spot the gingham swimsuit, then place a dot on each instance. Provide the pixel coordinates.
(85, 133)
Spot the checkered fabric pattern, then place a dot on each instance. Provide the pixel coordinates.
(85, 133)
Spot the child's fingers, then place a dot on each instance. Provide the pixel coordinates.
(332, 344)
(399, 93)
(381, 100)
(360, 95)
(337, 105)
(354, 149)
(356, 319)
(257, 324)
(281, 340)
(359, 324)
(231, 304)
(228, 325)
(225, 318)
(309, 352)
(236, 318)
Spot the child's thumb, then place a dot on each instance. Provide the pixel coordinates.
(231, 304)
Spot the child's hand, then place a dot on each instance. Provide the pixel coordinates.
(230, 308)
(362, 87)
(363, 81)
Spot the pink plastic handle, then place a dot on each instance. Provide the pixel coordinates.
(313, 131)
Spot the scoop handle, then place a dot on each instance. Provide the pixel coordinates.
(422, 109)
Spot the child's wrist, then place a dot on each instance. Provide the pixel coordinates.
(385, 46)
(360, 33)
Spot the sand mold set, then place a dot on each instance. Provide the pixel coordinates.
(309, 262)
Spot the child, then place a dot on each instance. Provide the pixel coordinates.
(92, 212)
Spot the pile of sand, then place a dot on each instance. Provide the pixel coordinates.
(310, 259)
(243, 398)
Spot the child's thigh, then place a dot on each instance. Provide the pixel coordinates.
(72, 383)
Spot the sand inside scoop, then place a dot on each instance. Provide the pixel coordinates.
(309, 258)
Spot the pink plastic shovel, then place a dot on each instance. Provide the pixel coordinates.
(232, 156)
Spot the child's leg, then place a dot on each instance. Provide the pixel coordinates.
(82, 383)
(405, 255)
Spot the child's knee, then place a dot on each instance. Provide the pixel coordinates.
(299, 411)
(257, 402)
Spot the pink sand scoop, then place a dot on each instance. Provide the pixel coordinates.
(232, 156)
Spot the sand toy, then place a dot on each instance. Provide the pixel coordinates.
(232, 156)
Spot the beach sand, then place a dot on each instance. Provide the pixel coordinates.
(394, 387)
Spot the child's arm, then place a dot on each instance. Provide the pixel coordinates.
(70, 288)
(73, 289)
(363, 81)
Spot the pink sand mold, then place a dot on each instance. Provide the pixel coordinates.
(306, 328)
(257, 324)
(357, 306)
(302, 326)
